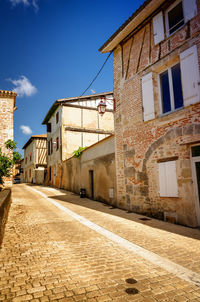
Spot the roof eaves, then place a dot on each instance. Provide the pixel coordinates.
(85, 97)
(27, 143)
(50, 112)
(59, 102)
(40, 136)
(107, 47)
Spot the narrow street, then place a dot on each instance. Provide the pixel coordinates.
(59, 247)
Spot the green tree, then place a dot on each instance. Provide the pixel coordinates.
(8, 160)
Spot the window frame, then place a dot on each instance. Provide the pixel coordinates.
(171, 90)
(167, 29)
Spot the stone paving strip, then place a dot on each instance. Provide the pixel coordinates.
(176, 243)
(48, 255)
(164, 263)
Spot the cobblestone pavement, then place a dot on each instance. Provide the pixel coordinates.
(47, 255)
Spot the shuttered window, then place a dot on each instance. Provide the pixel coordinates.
(168, 179)
(178, 14)
(175, 18)
(148, 97)
(171, 89)
(190, 75)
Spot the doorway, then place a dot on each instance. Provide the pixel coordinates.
(195, 152)
(91, 179)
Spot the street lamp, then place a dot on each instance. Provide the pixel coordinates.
(101, 107)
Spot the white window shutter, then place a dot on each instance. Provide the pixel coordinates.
(190, 9)
(148, 97)
(171, 179)
(190, 75)
(162, 179)
(168, 179)
(158, 28)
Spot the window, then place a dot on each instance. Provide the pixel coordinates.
(48, 127)
(57, 143)
(49, 173)
(195, 151)
(57, 117)
(168, 179)
(49, 148)
(171, 89)
(174, 17)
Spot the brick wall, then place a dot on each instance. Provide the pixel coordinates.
(139, 144)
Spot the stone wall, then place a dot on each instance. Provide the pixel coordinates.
(5, 201)
(139, 144)
(74, 173)
(7, 104)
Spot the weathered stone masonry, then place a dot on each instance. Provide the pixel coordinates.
(7, 107)
(140, 145)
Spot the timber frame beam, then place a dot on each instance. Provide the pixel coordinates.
(88, 130)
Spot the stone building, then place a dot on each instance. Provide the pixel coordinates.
(73, 123)
(157, 119)
(93, 171)
(7, 108)
(35, 159)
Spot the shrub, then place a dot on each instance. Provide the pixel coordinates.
(79, 151)
(8, 160)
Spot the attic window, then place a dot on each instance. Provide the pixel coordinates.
(174, 17)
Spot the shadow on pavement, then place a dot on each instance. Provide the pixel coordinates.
(73, 198)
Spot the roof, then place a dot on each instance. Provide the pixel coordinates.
(143, 12)
(62, 101)
(40, 136)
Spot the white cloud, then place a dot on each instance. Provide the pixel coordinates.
(26, 129)
(23, 87)
(32, 3)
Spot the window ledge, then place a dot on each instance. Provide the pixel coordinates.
(169, 35)
(170, 112)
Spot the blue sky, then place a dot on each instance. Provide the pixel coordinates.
(49, 50)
